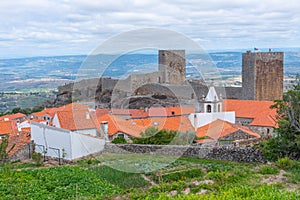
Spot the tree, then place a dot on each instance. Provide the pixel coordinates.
(287, 139)
(164, 137)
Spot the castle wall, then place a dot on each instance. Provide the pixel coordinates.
(108, 83)
(233, 92)
(269, 76)
(172, 65)
(138, 80)
(248, 75)
(262, 76)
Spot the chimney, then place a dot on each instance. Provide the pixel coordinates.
(195, 121)
(87, 115)
(104, 130)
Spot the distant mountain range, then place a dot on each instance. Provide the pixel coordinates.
(50, 72)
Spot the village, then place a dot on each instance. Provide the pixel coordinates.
(76, 130)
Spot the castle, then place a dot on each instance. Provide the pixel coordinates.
(262, 77)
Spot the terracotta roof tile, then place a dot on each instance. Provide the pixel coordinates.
(12, 116)
(76, 119)
(19, 139)
(134, 127)
(26, 130)
(73, 106)
(48, 111)
(219, 128)
(259, 111)
(170, 111)
(180, 123)
(101, 111)
(117, 124)
(7, 127)
(133, 113)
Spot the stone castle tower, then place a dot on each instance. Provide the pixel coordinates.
(171, 63)
(262, 75)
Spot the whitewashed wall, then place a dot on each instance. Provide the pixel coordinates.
(92, 132)
(75, 145)
(55, 121)
(83, 145)
(202, 119)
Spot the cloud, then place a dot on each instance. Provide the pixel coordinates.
(76, 27)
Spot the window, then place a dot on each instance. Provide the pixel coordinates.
(268, 130)
(219, 108)
(173, 113)
(121, 135)
(208, 108)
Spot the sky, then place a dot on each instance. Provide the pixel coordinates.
(70, 27)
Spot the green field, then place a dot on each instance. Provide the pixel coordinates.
(183, 178)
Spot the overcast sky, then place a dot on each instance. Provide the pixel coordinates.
(64, 27)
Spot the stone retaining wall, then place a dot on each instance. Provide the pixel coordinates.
(218, 153)
(24, 153)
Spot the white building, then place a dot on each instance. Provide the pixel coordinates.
(62, 143)
(212, 107)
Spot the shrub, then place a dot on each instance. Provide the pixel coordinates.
(119, 140)
(37, 158)
(88, 162)
(284, 163)
(164, 137)
(268, 169)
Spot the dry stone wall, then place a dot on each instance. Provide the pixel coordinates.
(230, 153)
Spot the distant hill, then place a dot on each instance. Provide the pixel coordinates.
(50, 72)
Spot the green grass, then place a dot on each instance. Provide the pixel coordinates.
(92, 179)
(67, 182)
(239, 193)
(269, 169)
(25, 165)
(121, 179)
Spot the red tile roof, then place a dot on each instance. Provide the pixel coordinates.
(26, 130)
(134, 127)
(73, 106)
(219, 128)
(132, 113)
(19, 139)
(170, 111)
(181, 123)
(117, 124)
(12, 116)
(48, 111)
(153, 112)
(101, 111)
(259, 111)
(8, 127)
(76, 119)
